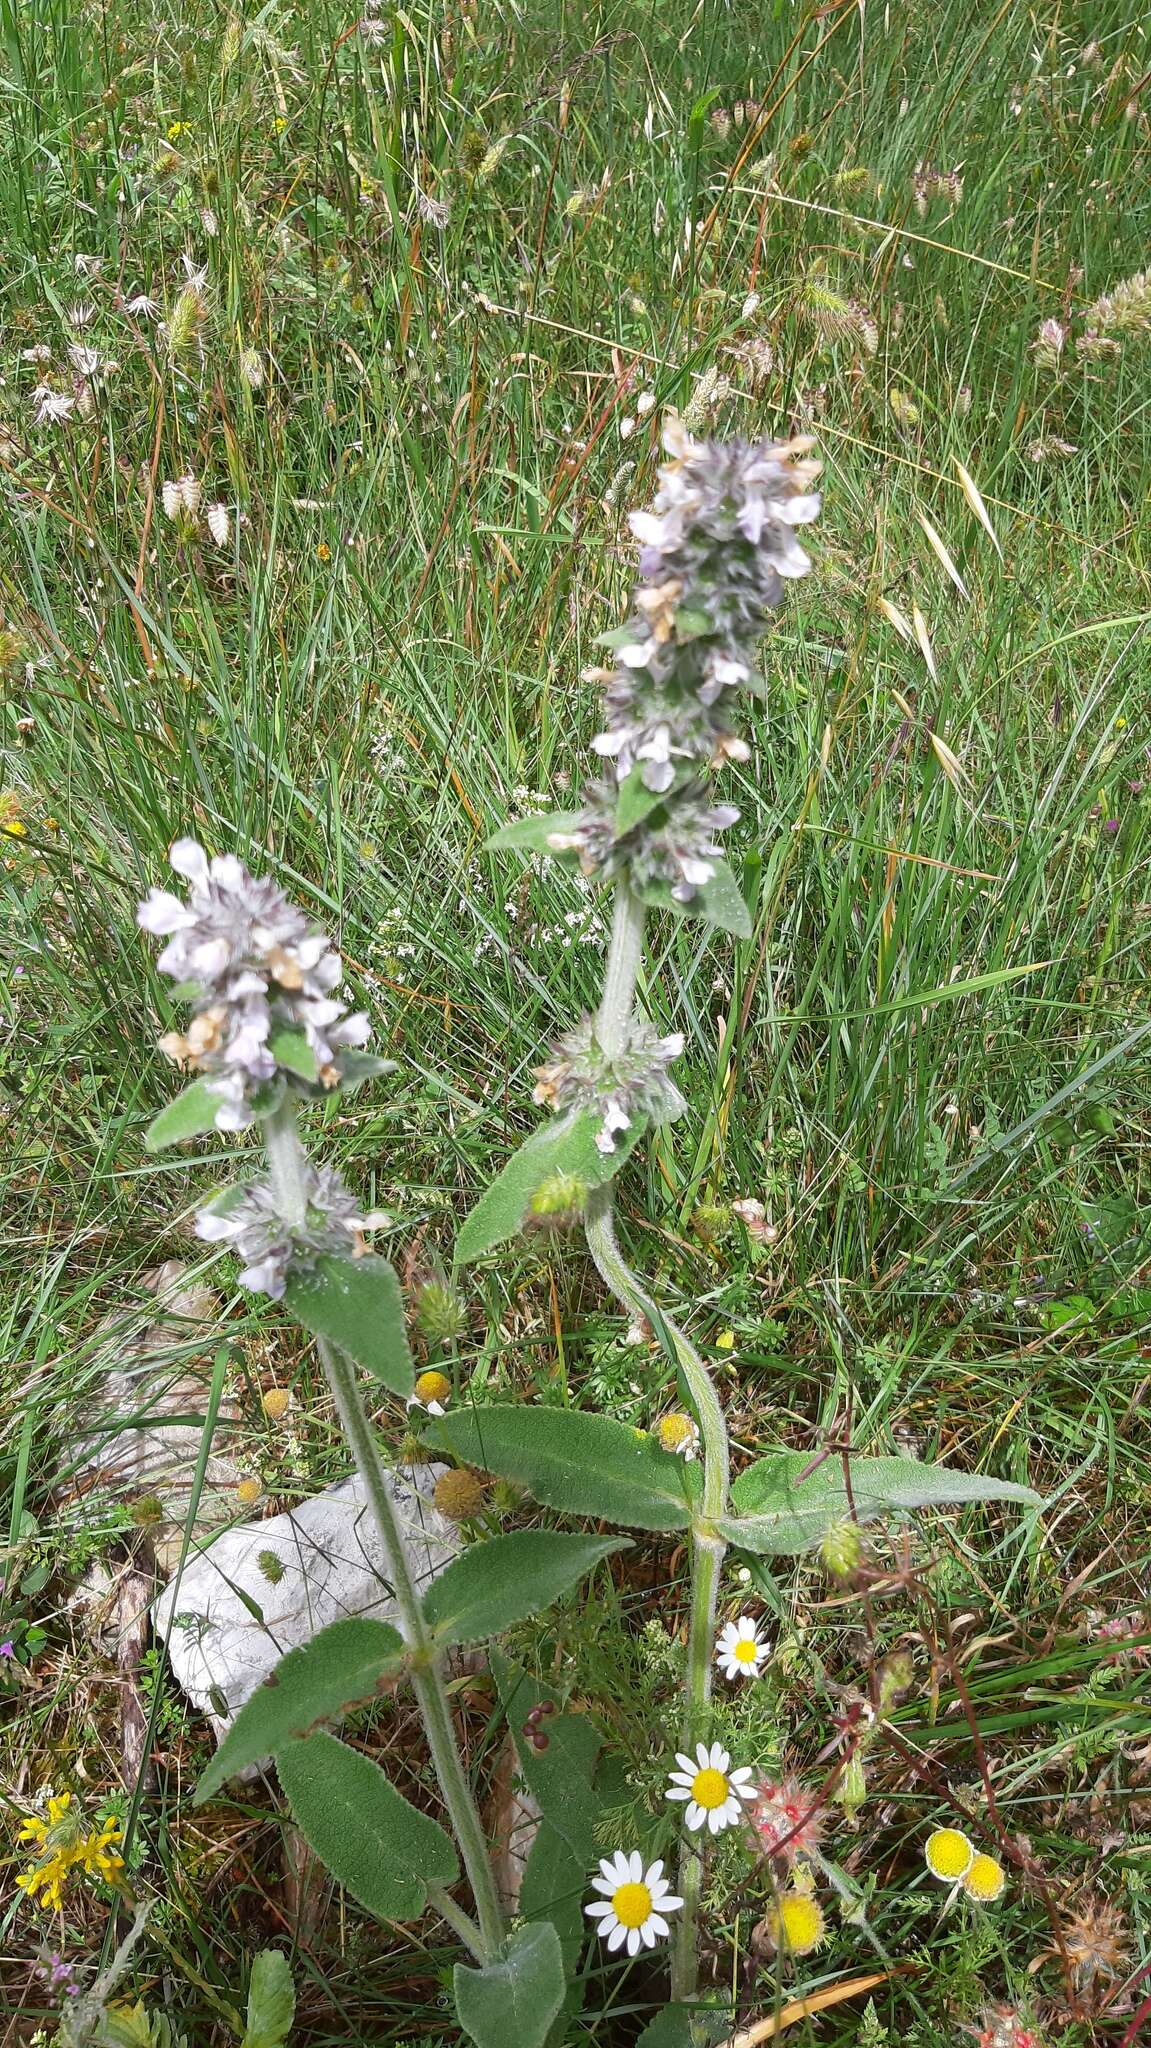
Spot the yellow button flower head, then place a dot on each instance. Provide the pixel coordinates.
(949, 1855)
(433, 1391)
(678, 1433)
(796, 1924)
(984, 1879)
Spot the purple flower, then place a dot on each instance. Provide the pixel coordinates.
(7, 1649)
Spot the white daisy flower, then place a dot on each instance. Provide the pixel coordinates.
(712, 1789)
(740, 1649)
(633, 1903)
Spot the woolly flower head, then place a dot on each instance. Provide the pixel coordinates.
(786, 1818)
(270, 1245)
(631, 1082)
(717, 547)
(255, 965)
(674, 844)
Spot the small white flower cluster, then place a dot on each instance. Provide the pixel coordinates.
(268, 1246)
(255, 964)
(633, 1082)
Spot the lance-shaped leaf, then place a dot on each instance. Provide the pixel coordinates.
(566, 1146)
(719, 902)
(188, 1115)
(342, 1665)
(382, 1850)
(289, 1048)
(512, 2003)
(533, 835)
(781, 1513)
(581, 1464)
(356, 1304)
(494, 1584)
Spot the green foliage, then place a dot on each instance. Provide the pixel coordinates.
(271, 2001)
(356, 1303)
(532, 835)
(718, 902)
(580, 1464)
(517, 1998)
(566, 1146)
(778, 1514)
(289, 1048)
(381, 1848)
(340, 1666)
(504, 1580)
(188, 1115)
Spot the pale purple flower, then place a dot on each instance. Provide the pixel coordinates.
(255, 964)
(631, 1082)
(268, 1246)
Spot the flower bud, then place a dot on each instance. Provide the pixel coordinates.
(271, 1567)
(841, 1548)
(558, 1201)
(276, 1403)
(440, 1316)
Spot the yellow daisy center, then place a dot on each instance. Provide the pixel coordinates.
(433, 1386)
(985, 1879)
(797, 1923)
(709, 1788)
(631, 1904)
(949, 1853)
(674, 1432)
(745, 1649)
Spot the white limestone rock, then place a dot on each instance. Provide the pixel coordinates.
(226, 1622)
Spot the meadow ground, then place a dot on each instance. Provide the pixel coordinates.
(408, 298)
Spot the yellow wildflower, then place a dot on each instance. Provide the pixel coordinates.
(985, 1880)
(796, 1924)
(60, 1845)
(949, 1855)
(725, 1341)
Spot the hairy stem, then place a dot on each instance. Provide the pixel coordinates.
(287, 1162)
(625, 951)
(708, 1546)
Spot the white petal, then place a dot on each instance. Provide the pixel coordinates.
(214, 1229)
(685, 1763)
(702, 1756)
(603, 1910)
(633, 1941)
(605, 1885)
(635, 1867)
(695, 1816)
(618, 1935)
(678, 1792)
(670, 1904)
(189, 859)
(654, 1877)
(161, 913)
(715, 1819)
(647, 1933)
(658, 1925)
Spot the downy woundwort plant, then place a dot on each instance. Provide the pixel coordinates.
(268, 1034)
